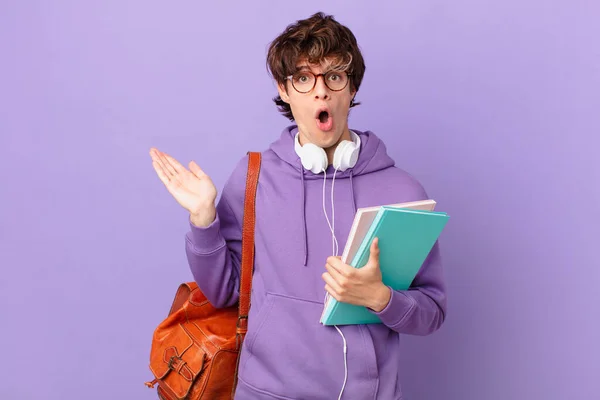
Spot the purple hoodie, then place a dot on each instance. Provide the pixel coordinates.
(288, 353)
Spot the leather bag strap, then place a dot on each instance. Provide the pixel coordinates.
(254, 162)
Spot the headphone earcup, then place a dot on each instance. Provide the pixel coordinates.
(314, 158)
(345, 156)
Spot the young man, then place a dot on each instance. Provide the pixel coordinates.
(287, 353)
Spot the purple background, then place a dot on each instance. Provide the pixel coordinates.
(494, 106)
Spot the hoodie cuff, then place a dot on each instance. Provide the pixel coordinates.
(396, 311)
(206, 240)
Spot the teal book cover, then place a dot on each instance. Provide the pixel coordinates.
(406, 237)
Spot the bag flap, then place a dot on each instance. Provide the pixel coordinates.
(178, 361)
(182, 295)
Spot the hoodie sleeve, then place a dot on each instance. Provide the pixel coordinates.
(421, 309)
(214, 252)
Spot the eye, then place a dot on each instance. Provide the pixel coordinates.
(334, 77)
(302, 78)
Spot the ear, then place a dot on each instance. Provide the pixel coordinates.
(353, 95)
(281, 88)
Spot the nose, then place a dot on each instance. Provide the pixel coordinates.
(321, 90)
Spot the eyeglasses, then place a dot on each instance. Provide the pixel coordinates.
(305, 81)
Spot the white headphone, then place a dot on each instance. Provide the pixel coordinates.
(314, 157)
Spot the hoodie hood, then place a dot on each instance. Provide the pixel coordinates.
(372, 157)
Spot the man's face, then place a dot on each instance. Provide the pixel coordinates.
(322, 113)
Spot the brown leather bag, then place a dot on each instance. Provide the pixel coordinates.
(195, 350)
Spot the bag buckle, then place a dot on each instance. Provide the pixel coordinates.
(172, 361)
(242, 328)
(242, 317)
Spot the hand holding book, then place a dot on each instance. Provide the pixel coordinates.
(362, 287)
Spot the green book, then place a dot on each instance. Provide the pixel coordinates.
(406, 236)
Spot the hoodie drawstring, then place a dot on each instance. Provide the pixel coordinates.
(304, 217)
(353, 193)
(304, 229)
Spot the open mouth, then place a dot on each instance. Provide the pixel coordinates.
(323, 116)
(324, 119)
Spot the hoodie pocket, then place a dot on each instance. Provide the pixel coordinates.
(290, 354)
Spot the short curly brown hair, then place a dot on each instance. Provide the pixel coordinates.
(315, 39)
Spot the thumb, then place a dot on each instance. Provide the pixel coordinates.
(374, 253)
(196, 170)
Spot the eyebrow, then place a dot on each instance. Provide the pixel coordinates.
(307, 68)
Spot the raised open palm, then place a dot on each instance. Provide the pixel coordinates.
(193, 189)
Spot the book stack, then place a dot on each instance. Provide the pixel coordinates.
(406, 232)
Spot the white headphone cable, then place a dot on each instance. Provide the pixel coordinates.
(345, 362)
(333, 214)
(336, 253)
(334, 239)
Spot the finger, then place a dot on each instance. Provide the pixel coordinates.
(374, 253)
(332, 293)
(166, 164)
(153, 153)
(335, 274)
(160, 172)
(160, 160)
(175, 164)
(340, 266)
(196, 170)
(331, 282)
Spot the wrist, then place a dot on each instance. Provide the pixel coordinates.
(203, 217)
(381, 298)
